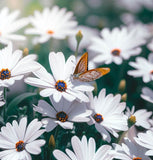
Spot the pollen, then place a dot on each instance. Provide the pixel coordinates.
(5, 74)
(98, 118)
(50, 32)
(20, 146)
(62, 116)
(116, 52)
(137, 158)
(61, 85)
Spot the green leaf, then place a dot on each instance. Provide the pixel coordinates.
(12, 107)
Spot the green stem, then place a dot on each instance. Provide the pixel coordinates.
(120, 139)
(77, 48)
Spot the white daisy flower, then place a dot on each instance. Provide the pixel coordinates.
(136, 5)
(59, 85)
(107, 114)
(64, 113)
(56, 23)
(115, 45)
(147, 94)
(146, 140)
(10, 25)
(87, 32)
(140, 116)
(2, 100)
(129, 151)
(13, 66)
(144, 68)
(84, 150)
(18, 141)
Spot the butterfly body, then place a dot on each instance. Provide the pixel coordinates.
(83, 74)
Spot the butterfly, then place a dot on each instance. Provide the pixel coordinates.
(82, 73)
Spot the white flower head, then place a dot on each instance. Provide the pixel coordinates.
(63, 113)
(59, 85)
(129, 151)
(13, 66)
(141, 117)
(84, 150)
(10, 25)
(18, 141)
(2, 100)
(146, 140)
(108, 114)
(143, 68)
(147, 94)
(56, 23)
(136, 5)
(87, 32)
(115, 45)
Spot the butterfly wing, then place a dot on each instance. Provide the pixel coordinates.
(93, 74)
(82, 65)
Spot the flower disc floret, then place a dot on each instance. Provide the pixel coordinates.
(5, 74)
(137, 158)
(98, 118)
(20, 146)
(62, 116)
(116, 52)
(61, 85)
(50, 32)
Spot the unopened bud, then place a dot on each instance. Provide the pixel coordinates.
(122, 85)
(52, 143)
(25, 52)
(79, 36)
(131, 120)
(124, 97)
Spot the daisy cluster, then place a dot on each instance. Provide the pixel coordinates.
(55, 102)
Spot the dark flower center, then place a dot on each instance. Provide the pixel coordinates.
(20, 146)
(62, 116)
(116, 52)
(50, 32)
(5, 74)
(61, 85)
(137, 158)
(98, 118)
(151, 72)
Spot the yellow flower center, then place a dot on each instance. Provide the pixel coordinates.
(137, 158)
(20, 146)
(50, 32)
(62, 116)
(61, 85)
(98, 118)
(151, 72)
(116, 52)
(5, 74)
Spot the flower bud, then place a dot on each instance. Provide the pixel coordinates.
(79, 36)
(25, 52)
(124, 97)
(122, 85)
(52, 143)
(131, 120)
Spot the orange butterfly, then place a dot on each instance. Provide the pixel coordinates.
(83, 74)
